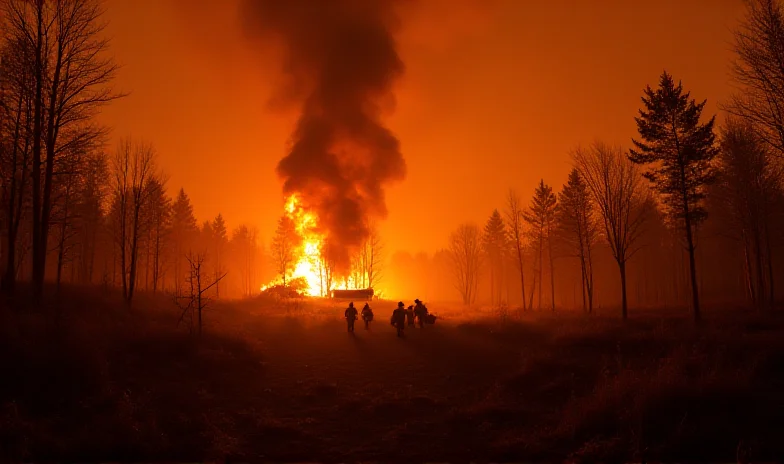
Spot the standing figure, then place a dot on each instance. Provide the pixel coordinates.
(351, 316)
(421, 312)
(399, 319)
(367, 315)
(410, 315)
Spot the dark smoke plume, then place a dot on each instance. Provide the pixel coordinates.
(340, 65)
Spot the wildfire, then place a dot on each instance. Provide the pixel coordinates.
(309, 267)
(308, 254)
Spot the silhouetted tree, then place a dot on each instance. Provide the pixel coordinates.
(514, 217)
(16, 101)
(92, 194)
(465, 250)
(540, 216)
(367, 269)
(617, 190)
(494, 242)
(284, 245)
(244, 248)
(184, 231)
(680, 151)
(578, 228)
(199, 283)
(220, 242)
(759, 50)
(159, 211)
(133, 169)
(748, 185)
(71, 73)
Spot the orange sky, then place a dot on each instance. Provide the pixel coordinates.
(493, 97)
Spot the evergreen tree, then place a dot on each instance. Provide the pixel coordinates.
(540, 216)
(184, 232)
(159, 210)
(679, 151)
(494, 242)
(578, 227)
(220, 241)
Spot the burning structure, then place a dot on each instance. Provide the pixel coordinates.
(340, 66)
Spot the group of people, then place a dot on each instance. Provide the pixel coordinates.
(401, 316)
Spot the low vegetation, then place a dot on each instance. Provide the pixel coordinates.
(91, 379)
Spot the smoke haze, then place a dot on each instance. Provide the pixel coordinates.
(340, 63)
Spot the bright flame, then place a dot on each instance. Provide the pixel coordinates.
(309, 265)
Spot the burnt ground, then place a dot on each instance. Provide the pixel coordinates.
(85, 378)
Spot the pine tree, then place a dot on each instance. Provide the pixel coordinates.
(494, 241)
(184, 232)
(220, 241)
(160, 214)
(578, 227)
(540, 216)
(679, 151)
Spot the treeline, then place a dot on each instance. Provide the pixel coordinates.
(690, 211)
(69, 210)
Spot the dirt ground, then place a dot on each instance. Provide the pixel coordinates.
(85, 378)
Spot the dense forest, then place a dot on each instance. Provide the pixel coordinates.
(685, 213)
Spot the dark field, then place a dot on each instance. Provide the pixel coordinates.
(90, 380)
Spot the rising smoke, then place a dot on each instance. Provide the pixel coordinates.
(340, 65)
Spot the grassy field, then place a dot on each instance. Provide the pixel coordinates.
(86, 378)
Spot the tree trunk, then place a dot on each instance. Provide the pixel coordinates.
(772, 294)
(61, 254)
(552, 270)
(9, 279)
(134, 251)
(693, 273)
(622, 269)
(541, 265)
(38, 274)
(522, 274)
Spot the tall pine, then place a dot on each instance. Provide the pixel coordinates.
(494, 241)
(184, 232)
(577, 224)
(540, 216)
(678, 151)
(220, 242)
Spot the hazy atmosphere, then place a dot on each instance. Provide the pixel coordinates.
(569, 212)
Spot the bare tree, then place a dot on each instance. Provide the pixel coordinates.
(284, 246)
(748, 185)
(17, 115)
(373, 257)
(617, 190)
(758, 70)
(196, 301)
(514, 218)
(71, 73)
(465, 250)
(134, 174)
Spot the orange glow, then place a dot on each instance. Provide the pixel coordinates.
(308, 258)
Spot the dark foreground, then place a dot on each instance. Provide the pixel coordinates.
(103, 382)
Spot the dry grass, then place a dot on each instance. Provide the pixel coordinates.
(85, 378)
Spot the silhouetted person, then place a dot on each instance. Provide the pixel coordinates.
(367, 315)
(420, 311)
(399, 319)
(351, 316)
(410, 315)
